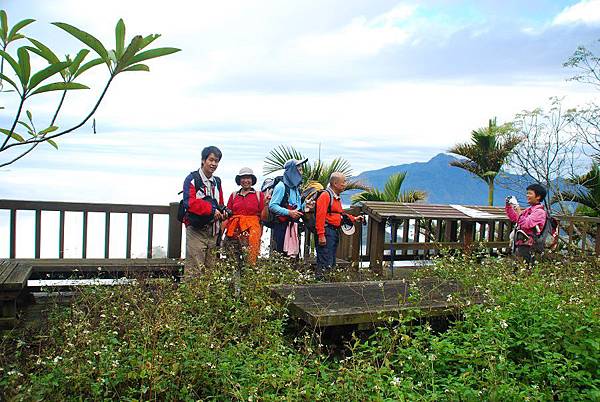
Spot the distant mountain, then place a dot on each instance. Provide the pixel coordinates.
(443, 183)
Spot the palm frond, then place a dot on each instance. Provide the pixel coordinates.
(393, 186)
(392, 192)
(278, 157)
(412, 196)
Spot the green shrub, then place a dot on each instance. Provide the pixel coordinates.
(536, 337)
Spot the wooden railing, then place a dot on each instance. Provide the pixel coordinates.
(397, 235)
(174, 228)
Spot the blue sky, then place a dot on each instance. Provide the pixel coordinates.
(377, 82)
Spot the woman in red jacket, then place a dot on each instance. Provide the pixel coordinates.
(243, 227)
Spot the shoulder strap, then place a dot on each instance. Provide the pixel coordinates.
(331, 198)
(286, 195)
(197, 180)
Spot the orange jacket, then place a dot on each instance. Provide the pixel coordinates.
(332, 217)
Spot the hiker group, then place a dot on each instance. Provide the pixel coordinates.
(285, 202)
(237, 226)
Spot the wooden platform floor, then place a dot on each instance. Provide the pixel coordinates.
(342, 303)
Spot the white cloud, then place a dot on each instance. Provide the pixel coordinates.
(586, 11)
(361, 38)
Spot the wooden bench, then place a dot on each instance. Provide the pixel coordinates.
(13, 284)
(370, 302)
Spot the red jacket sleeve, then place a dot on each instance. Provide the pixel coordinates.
(192, 204)
(321, 212)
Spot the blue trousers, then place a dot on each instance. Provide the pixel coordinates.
(326, 253)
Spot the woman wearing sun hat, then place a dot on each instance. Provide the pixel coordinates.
(243, 227)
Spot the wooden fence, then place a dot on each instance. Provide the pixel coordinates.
(394, 231)
(174, 229)
(398, 231)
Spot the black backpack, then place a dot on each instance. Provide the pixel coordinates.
(197, 221)
(548, 237)
(271, 218)
(310, 217)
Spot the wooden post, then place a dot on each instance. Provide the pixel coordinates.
(38, 232)
(13, 234)
(355, 244)
(174, 242)
(467, 232)
(376, 242)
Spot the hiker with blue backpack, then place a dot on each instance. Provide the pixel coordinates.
(533, 225)
(286, 206)
(202, 212)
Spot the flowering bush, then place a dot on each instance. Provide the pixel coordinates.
(535, 337)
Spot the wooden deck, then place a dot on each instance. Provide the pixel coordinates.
(20, 277)
(342, 303)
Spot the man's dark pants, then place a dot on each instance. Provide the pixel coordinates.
(326, 253)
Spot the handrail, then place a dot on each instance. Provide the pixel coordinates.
(174, 231)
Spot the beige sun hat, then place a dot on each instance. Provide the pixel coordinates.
(245, 171)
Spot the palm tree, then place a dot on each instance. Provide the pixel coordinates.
(317, 171)
(486, 153)
(392, 192)
(585, 192)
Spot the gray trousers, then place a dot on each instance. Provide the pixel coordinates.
(200, 251)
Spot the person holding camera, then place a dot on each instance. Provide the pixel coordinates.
(529, 222)
(204, 212)
(243, 227)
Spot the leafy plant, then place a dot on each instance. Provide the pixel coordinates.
(30, 83)
(486, 153)
(314, 171)
(392, 192)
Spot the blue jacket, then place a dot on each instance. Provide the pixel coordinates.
(277, 197)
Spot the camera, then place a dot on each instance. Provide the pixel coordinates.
(512, 200)
(224, 210)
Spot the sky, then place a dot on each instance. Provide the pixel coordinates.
(376, 82)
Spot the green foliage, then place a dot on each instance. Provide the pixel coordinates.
(586, 191)
(30, 83)
(487, 152)
(536, 337)
(392, 192)
(314, 171)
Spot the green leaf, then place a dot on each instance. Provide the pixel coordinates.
(87, 66)
(13, 135)
(48, 130)
(3, 25)
(51, 142)
(153, 53)
(132, 49)
(120, 38)
(77, 60)
(86, 38)
(13, 63)
(46, 73)
(24, 64)
(59, 86)
(29, 116)
(44, 51)
(149, 39)
(11, 82)
(137, 67)
(17, 27)
(27, 126)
